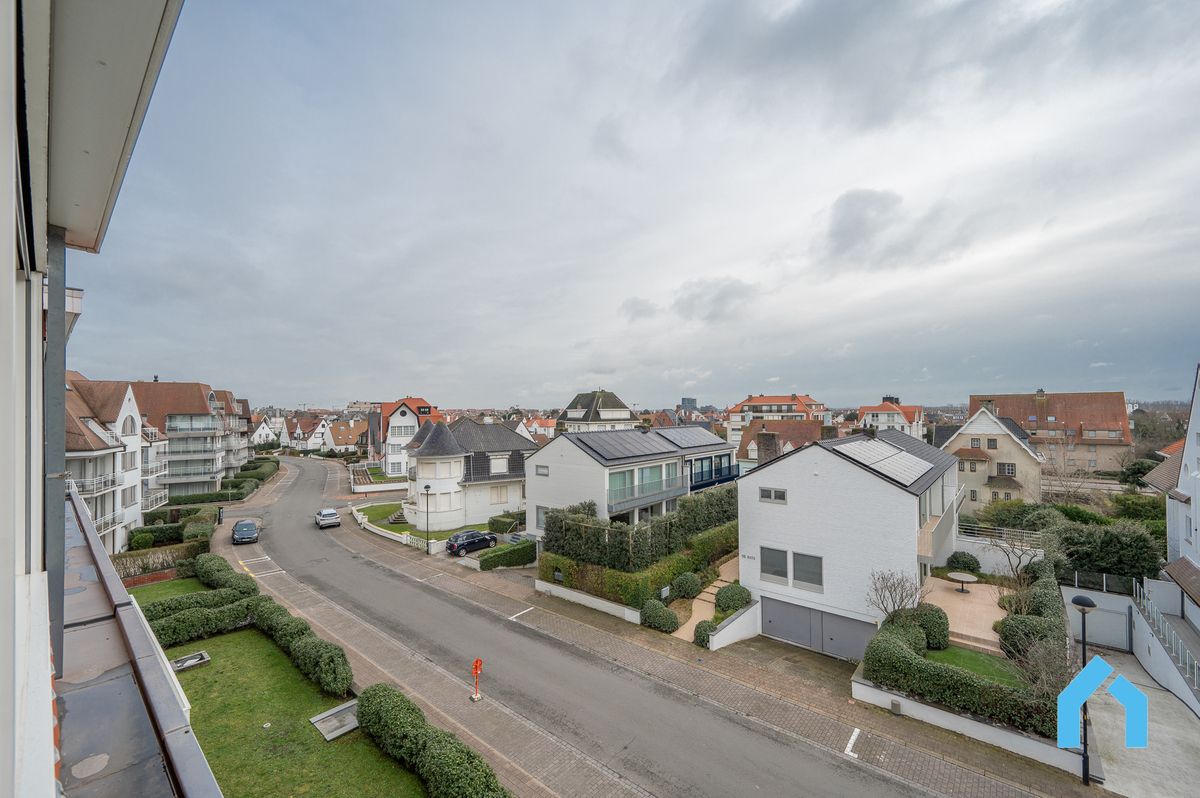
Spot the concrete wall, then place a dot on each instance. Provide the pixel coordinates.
(855, 521)
(588, 600)
(574, 477)
(991, 560)
(742, 625)
(1109, 624)
(1159, 664)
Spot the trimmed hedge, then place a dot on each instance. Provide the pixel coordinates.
(198, 623)
(963, 561)
(893, 660)
(932, 621)
(142, 540)
(1124, 548)
(157, 610)
(686, 585)
(216, 573)
(260, 470)
(506, 522)
(702, 633)
(517, 554)
(324, 663)
(164, 534)
(657, 615)
(1047, 619)
(447, 766)
(136, 563)
(731, 598)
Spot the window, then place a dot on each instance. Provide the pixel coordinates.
(1053, 433)
(541, 470)
(395, 448)
(995, 495)
(1070, 447)
(1112, 433)
(974, 466)
(129, 460)
(961, 465)
(807, 572)
(1091, 463)
(1051, 418)
(129, 426)
(773, 565)
(1091, 433)
(1007, 496)
(1091, 447)
(540, 517)
(1070, 462)
(499, 494)
(428, 469)
(127, 497)
(974, 496)
(393, 431)
(499, 465)
(1006, 469)
(992, 443)
(975, 443)
(1187, 528)
(774, 495)
(651, 476)
(672, 505)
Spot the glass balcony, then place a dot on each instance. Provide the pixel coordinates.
(153, 468)
(626, 498)
(716, 476)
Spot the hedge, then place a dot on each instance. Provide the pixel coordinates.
(136, 563)
(502, 524)
(632, 589)
(932, 621)
(1047, 619)
(447, 766)
(1139, 507)
(1124, 548)
(686, 585)
(164, 534)
(702, 633)
(963, 561)
(201, 622)
(216, 573)
(517, 554)
(260, 470)
(731, 598)
(657, 615)
(207, 599)
(142, 540)
(892, 660)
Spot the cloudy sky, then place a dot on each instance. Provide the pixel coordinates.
(506, 203)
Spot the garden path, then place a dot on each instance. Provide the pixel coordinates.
(704, 606)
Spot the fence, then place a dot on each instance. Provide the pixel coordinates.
(1172, 642)
(1024, 538)
(1105, 583)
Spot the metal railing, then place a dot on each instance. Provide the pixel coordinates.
(151, 433)
(645, 490)
(1172, 642)
(188, 426)
(109, 522)
(92, 485)
(1106, 583)
(1018, 537)
(704, 479)
(154, 499)
(214, 470)
(153, 468)
(175, 447)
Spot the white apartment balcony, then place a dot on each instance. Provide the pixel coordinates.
(94, 485)
(151, 433)
(200, 473)
(109, 522)
(154, 499)
(153, 468)
(192, 449)
(641, 494)
(207, 427)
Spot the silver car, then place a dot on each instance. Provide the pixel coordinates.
(327, 517)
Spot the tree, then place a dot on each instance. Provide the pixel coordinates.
(1019, 555)
(894, 590)
(1068, 482)
(1047, 666)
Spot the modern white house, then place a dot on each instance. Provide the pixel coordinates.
(631, 475)
(309, 433)
(463, 473)
(996, 460)
(596, 410)
(399, 422)
(816, 522)
(1179, 478)
(263, 433)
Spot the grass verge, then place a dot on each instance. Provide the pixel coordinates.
(992, 667)
(161, 590)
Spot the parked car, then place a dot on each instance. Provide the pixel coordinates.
(460, 543)
(327, 517)
(245, 531)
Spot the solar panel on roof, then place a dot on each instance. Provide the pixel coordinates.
(689, 437)
(903, 467)
(618, 444)
(868, 451)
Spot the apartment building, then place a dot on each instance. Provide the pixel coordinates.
(1074, 432)
(631, 475)
(399, 422)
(89, 704)
(190, 416)
(763, 441)
(235, 421)
(789, 407)
(594, 411)
(890, 414)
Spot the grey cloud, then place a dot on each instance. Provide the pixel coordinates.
(858, 216)
(712, 300)
(635, 308)
(871, 229)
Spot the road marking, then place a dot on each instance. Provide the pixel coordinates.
(850, 744)
(519, 614)
(267, 573)
(426, 579)
(254, 559)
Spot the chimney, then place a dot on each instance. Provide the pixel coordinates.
(156, 378)
(1041, 394)
(768, 446)
(828, 432)
(893, 399)
(869, 432)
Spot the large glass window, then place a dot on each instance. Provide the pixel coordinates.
(773, 565)
(650, 476)
(540, 516)
(807, 572)
(620, 485)
(702, 469)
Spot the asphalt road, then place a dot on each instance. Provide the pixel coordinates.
(663, 739)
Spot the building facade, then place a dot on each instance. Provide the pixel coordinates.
(789, 407)
(400, 421)
(596, 411)
(996, 461)
(890, 414)
(190, 416)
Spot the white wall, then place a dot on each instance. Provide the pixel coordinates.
(1158, 663)
(478, 501)
(742, 625)
(1108, 624)
(574, 477)
(1182, 518)
(851, 518)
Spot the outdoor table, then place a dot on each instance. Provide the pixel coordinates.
(963, 580)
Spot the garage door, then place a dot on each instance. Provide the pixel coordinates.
(826, 632)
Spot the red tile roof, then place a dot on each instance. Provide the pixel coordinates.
(910, 412)
(763, 399)
(1172, 449)
(792, 431)
(1080, 412)
(157, 400)
(79, 436)
(412, 403)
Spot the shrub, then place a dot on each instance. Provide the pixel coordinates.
(260, 470)
(517, 554)
(630, 589)
(143, 540)
(893, 660)
(502, 524)
(703, 632)
(931, 619)
(1124, 548)
(451, 769)
(1081, 515)
(136, 563)
(208, 599)
(1018, 632)
(1139, 506)
(200, 622)
(731, 598)
(323, 663)
(164, 534)
(1045, 518)
(215, 573)
(395, 723)
(963, 561)
(1132, 474)
(686, 585)
(656, 615)
(185, 569)
(1009, 514)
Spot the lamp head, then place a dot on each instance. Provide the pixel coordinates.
(426, 488)
(1084, 604)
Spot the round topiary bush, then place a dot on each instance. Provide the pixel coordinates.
(686, 585)
(732, 598)
(703, 631)
(963, 561)
(655, 615)
(144, 540)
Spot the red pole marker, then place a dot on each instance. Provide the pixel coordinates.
(476, 669)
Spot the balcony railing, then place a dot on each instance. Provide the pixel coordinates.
(197, 426)
(1023, 538)
(706, 479)
(621, 499)
(152, 468)
(90, 486)
(194, 474)
(153, 500)
(151, 433)
(109, 522)
(194, 448)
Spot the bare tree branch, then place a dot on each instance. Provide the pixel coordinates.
(894, 590)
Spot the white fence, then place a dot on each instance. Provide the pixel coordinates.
(416, 541)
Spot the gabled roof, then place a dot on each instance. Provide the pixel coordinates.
(81, 436)
(615, 447)
(1082, 411)
(1165, 475)
(1186, 574)
(901, 459)
(1172, 449)
(782, 399)
(942, 433)
(592, 402)
(104, 397)
(413, 405)
(157, 400)
(346, 433)
(1011, 427)
(909, 412)
(793, 431)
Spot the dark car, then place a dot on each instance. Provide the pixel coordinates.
(458, 544)
(245, 532)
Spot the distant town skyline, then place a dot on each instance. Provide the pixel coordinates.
(507, 204)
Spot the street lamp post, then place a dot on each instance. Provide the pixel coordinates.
(1085, 605)
(426, 519)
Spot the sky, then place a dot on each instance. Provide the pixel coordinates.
(494, 204)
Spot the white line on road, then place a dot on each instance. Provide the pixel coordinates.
(267, 573)
(519, 614)
(435, 576)
(254, 559)
(850, 744)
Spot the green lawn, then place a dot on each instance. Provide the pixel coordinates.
(998, 669)
(377, 515)
(378, 476)
(250, 711)
(162, 590)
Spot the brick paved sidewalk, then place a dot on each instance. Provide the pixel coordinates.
(814, 705)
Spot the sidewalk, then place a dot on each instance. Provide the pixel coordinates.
(801, 701)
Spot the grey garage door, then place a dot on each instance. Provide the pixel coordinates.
(830, 634)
